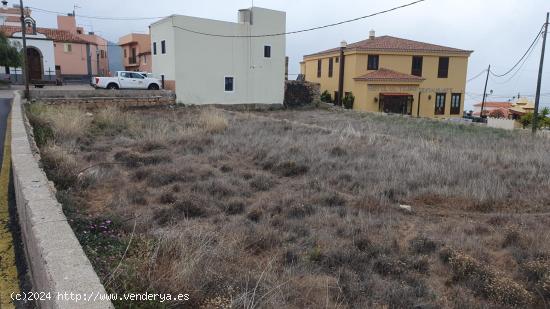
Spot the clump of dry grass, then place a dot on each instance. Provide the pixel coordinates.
(61, 166)
(69, 122)
(484, 280)
(112, 120)
(212, 120)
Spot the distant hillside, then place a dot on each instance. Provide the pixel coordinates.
(115, 57)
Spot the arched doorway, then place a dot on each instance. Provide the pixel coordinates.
(35, 63)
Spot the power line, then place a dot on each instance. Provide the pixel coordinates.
(234, 36)
(519, 68)
(303, 30)
(477, 76)
(521, 59)
(96, 17)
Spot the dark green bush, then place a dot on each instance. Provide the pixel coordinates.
(326, 97)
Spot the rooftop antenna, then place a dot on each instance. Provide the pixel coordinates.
(75, 6)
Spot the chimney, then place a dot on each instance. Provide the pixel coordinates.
(372, 35)
(245, 16)
(4, 4)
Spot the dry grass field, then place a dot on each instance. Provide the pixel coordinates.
(299, 209)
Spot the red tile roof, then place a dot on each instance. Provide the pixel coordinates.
(393, 44)
(388, 75)
(495, 104)
(52, 34)
(504, 112)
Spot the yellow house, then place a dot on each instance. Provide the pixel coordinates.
(393, 75)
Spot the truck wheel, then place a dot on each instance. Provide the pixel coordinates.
(153, 87)
(112, 86)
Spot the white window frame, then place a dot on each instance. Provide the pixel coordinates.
(67, 47)
(270, 51)
(224, 78)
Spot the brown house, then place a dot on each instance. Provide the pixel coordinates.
(136, 52)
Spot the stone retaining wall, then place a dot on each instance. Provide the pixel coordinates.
(56, 261)
(101, 98)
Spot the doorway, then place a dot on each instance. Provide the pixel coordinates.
(35, 63)
(396, 103)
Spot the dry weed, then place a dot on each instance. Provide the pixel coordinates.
(212, 120)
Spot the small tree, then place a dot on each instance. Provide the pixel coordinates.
(325, 97)
(542, 121)
(9, 53)
(525, 120)
(349, 99)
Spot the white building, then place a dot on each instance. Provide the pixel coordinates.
(215, 62)
(11, 16)
(40, 50)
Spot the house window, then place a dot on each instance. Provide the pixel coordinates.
(443, 70)
(337, 59)
(330, 66)
(67, 47)
(440, 103)
(7, 69)
(163, 47)
(417, 65)
(267, 51)
(133, 59)
(373, 62)
(145, 59)
(229, 84)
(319, 65)
(102, 53)
(125, 53)
(154, 48)
(456, 98)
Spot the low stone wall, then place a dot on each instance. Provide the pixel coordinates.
(57, 263)
(302, 94)
(101, 98)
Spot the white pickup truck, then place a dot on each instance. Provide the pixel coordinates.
(127, 80)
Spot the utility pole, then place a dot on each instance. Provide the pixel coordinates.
(25, 56)
(539, 81)
(485, 91)
(342, 59)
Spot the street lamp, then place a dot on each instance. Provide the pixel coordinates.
(343, 46)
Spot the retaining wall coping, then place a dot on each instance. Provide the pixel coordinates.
(57, 263)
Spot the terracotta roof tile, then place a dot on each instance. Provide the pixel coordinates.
(52, 34)
(388, 75)
(393, 44)
(495, 104)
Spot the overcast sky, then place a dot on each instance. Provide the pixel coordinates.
(499, 31)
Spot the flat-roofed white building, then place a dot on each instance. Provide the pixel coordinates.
(216, 62)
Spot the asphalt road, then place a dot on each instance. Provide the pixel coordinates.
(5, 107)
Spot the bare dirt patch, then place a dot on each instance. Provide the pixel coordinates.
(296, 209)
